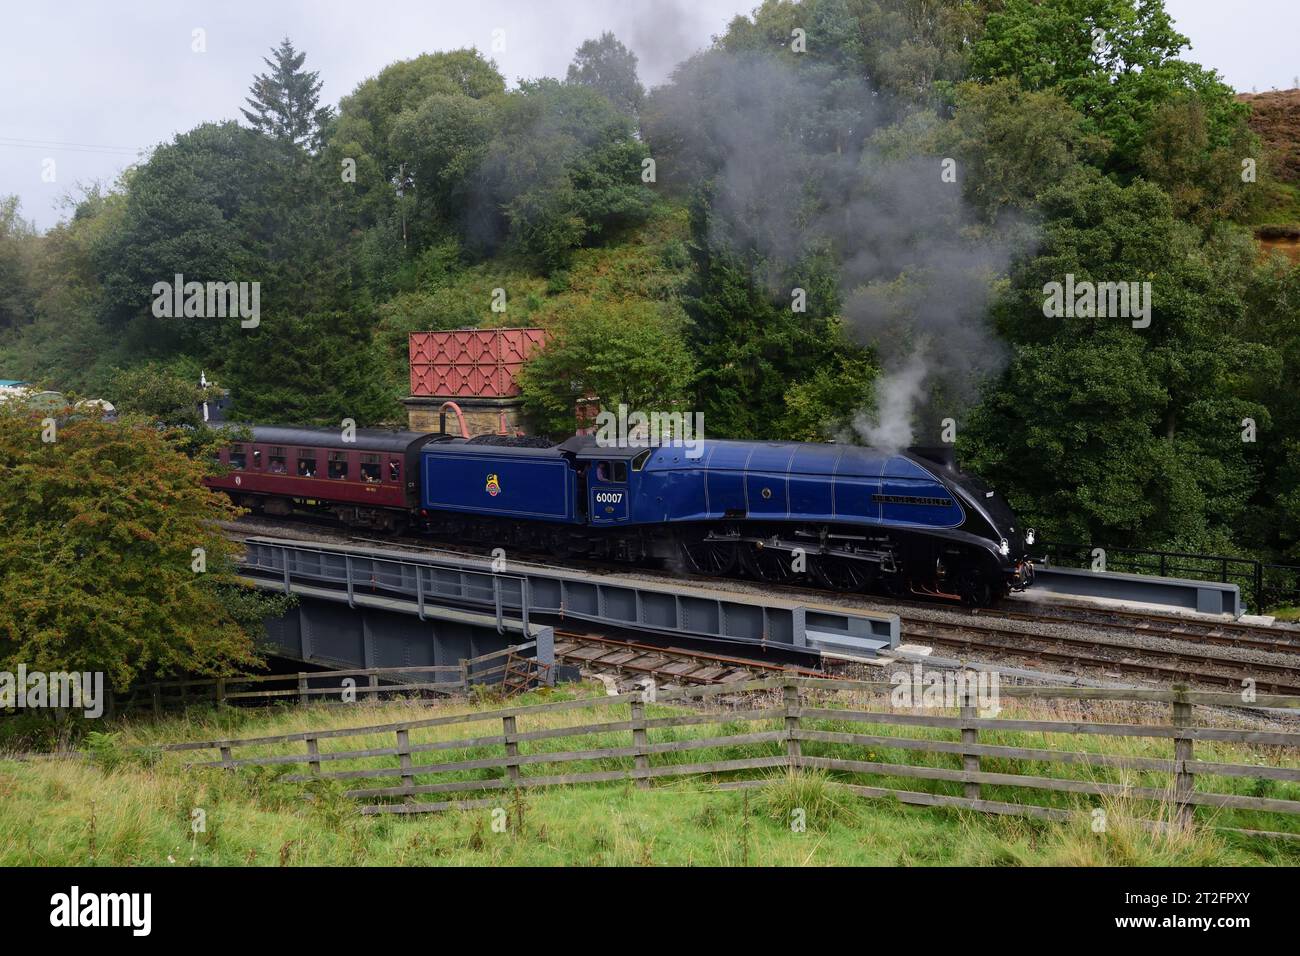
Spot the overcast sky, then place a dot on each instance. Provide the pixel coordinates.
(87, 84)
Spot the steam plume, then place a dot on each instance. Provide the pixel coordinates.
(794, 167)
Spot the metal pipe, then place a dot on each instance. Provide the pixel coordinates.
(460, 417)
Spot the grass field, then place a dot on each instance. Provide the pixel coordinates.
(130, 805)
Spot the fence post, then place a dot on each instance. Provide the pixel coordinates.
(512, 748)
(793, 746)
(1184, 779)
(313, 749)
(221, 692)
(373, 681)
(302, 689)
(970, 735)
(640, 741)
(225, 756)
(464, 675)
(155, 691)
(404, 757)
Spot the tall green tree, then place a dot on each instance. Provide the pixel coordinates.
(1119, 435)
(318, 368)
(1115, 61)
(607, 66)
(911, 50)
(17, 248)
(98, 572)
(1012, 144)
(284, 103)
(631, 354)
(563, 170)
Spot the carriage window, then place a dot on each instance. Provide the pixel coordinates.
(306, 463)
(338, 464)
(257, 458)
(394, 471)
(237, 457)
(277, 460)
(370, 468)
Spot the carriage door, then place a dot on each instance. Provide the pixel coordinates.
(607, 492)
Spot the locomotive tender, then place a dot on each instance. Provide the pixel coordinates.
(851, 518)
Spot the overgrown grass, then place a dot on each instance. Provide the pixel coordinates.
(130, 804)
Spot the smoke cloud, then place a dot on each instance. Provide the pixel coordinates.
(794, 167)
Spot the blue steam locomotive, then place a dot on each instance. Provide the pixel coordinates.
(847, 517)
(851, 518)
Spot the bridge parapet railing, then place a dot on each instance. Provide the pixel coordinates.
(1266, 585)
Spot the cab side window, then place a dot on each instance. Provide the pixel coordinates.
(615, 471)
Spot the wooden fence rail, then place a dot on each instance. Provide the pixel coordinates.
(809, 727)
(380, 680)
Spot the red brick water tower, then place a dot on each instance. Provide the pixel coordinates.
(475, 368)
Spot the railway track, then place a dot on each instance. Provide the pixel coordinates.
(677, 665)
(1192, 665)
(1155, 624)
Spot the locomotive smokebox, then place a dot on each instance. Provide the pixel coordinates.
(945, 456)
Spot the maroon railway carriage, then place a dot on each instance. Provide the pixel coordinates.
(371, 482)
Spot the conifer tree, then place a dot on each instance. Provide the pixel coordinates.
(284, 100)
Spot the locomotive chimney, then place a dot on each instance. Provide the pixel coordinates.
(945, 456)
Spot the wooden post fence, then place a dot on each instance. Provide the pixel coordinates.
(404, 757)
(313, 749)
(782, 726)
(970, 734)
(447, 679)
(1184, 779)
(509, 730)
(793, 745)
(640, 741)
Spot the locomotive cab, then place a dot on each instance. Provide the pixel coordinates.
(609, 479)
